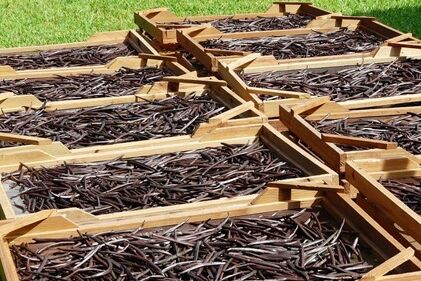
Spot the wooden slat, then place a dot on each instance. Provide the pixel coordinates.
(310, 104)
(10, 137)
(378, 194)
(342, 206)
(308, 186)
(359, 141)
(201, 81)
(328, 152)
(389, 264)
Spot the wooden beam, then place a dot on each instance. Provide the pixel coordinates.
(198, 80)
(308, 186)
(10, 137)
(359, 141)
(309, 104)
(243, 61)
(157, 57)
(331, 154)
(279, 93)
(15, 224)
(376, 193)
(410, 276)
(389, 264)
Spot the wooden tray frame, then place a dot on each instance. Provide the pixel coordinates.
(185, 85)
(399, 220)
(151, 21)
(235, 131)
(325, 145)
(62, 224)
(229, 69)
(190, 39)
(131, 37)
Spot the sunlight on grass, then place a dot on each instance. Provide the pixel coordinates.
(32, 22)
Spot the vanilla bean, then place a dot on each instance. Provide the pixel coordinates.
(152, 181)
(67, 57)
(265, 247)
(358, 82)
(145, 120)
(124, 82)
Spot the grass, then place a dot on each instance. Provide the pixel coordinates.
(35, 22)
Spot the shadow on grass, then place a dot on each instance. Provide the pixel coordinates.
(406, 19)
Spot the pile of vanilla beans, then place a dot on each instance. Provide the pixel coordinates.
(358, 82)
(67, 57)
(152, 181)
(405, 130)
(126, 81)
(289, 245)
(314, 44)
(144, 120)
(230, 25)
(408, 190)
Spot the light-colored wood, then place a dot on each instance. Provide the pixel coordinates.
(364, 103)
(9, 137)
(203, 81)
(243, 61)
(310, 104)
(410, 276)
(333, 156)
(389, 264)
(309, 186)
(377, 194)
(358, 141)
(279, 93)
(16, 224)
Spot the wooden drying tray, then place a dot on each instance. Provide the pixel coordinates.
(400, 220)
(222, 94)
(130, 37)
(213, 134)
(161, 25)
(190, 39)
(71, 222)
(324, 145)
(254, 63)
(11, 102)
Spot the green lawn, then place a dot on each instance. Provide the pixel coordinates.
(32, 22)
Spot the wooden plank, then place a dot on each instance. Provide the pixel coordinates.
(198, 80)
(231, 113)
(375, 102)
(333, 156)
(15, 224)
(157, 57)
(389, 264)
(243, 61)
(310, 104)
(358, 141)
(378, 194)
(279, 93)
(10, 137)
(386, 164)
(410, 276)
(342, 206)
(308, 186)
